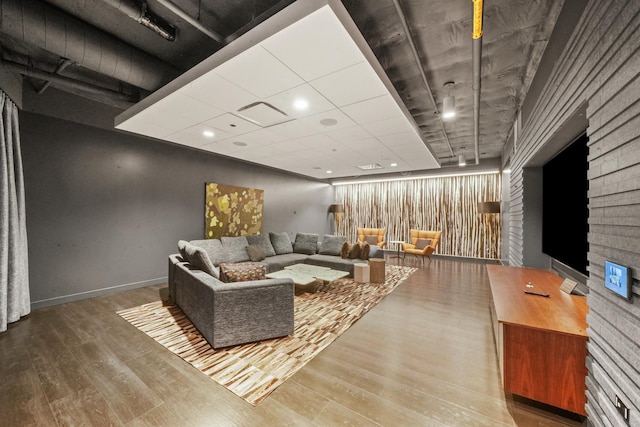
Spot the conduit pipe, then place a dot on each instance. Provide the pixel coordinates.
(477, 66)
(59, 69)
(142, 15)
(405, 26)
(192, 21)
(65, 81)
(43, 26)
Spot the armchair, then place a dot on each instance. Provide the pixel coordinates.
(375, 236)
(423, 243)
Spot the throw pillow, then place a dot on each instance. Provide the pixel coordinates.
(236, 248)
(354, 252)
(255, 252)
(181, 248)
(262, 240)
(331, 245)
(344, 251)
(242, 272)
(199, 259)
(372, 240)
(364, 250)
(281, 243)
(214, 249)
(423, 243)
(305, 243)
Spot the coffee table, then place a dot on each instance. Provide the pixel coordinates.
(306, 277)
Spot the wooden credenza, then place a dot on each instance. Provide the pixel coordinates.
(541, 342)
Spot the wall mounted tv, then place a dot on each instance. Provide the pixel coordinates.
(565, 211)
(617, 279)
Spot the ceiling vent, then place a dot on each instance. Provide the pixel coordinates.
(263, 114)
(369, 167)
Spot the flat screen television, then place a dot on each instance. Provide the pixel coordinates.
(565, 209)
(617, 279)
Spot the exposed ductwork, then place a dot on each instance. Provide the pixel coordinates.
(120, 99)
(140, 13)
(192, 21)
(45, 27)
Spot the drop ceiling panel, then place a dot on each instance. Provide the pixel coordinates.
(315, 46)
(245, 93)
(258, 72)
(350, 85)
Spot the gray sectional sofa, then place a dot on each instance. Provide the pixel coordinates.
(241, 312)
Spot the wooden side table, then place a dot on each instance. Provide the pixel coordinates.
(361, 272)
(376, 267)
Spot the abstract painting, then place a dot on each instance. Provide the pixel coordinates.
(232, 210)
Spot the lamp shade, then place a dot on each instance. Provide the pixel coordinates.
(337, 208)
(449, 107)
(489, 207)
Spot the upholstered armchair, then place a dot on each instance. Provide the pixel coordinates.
(373, 236)
(423, 243)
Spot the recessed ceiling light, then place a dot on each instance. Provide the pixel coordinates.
(329, 171)
(370, 167)
(328, 122)
(240, 143)
(208, 133)
(300, 104)
(393, 165)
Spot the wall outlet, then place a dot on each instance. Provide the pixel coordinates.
(624, 411)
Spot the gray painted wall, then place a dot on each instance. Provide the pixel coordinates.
(106, 208)
(599, 67)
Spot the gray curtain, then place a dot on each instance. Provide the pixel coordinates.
(14, 267)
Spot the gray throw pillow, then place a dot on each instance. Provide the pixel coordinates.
(262, 240)
(214, 249)
(255, 252)
(281, 243)
(199, 259)
(372, 240)
(305, 243)
(236, 248)
(423, 243)
(331, 245)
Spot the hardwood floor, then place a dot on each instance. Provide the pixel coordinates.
(424, 356)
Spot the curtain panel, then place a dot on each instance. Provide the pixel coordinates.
(14, 270)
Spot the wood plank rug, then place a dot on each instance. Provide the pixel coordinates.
(253, 371)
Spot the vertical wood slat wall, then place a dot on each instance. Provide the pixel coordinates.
(600, 67)
(449, 204)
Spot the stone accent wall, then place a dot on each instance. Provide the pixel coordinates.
(599, 69)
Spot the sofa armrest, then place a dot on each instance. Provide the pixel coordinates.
(406, 246)
(381, 244)
(234, 313)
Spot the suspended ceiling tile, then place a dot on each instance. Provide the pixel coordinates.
(373, 110)
(258, 72)
(286, 100)
(389, 127)
(216, 91)
(293, 129)
(329, 121)
(350, 85)
(315, 46)
(262, 137)
(350, 135)
(232, 124)
(194, 136)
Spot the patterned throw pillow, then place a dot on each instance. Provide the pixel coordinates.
(364, 250)
(242, 272)
(423, 243)
(354, 252)
(344, 251)
(372, 240)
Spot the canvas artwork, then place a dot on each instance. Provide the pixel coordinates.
(232, 210)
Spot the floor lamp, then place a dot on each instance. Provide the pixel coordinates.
(338, 211)
(490, 208)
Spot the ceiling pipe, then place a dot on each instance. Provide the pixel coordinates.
(124, 99)
(41, 25)
(140, 13)
(405, 26)
(191, 21)
(477, 81)
(59, 69)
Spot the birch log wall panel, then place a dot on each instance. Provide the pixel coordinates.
(599, 68)
(449, 204)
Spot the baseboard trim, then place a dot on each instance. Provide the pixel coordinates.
(95, 293)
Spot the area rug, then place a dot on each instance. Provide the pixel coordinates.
(253, 371)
